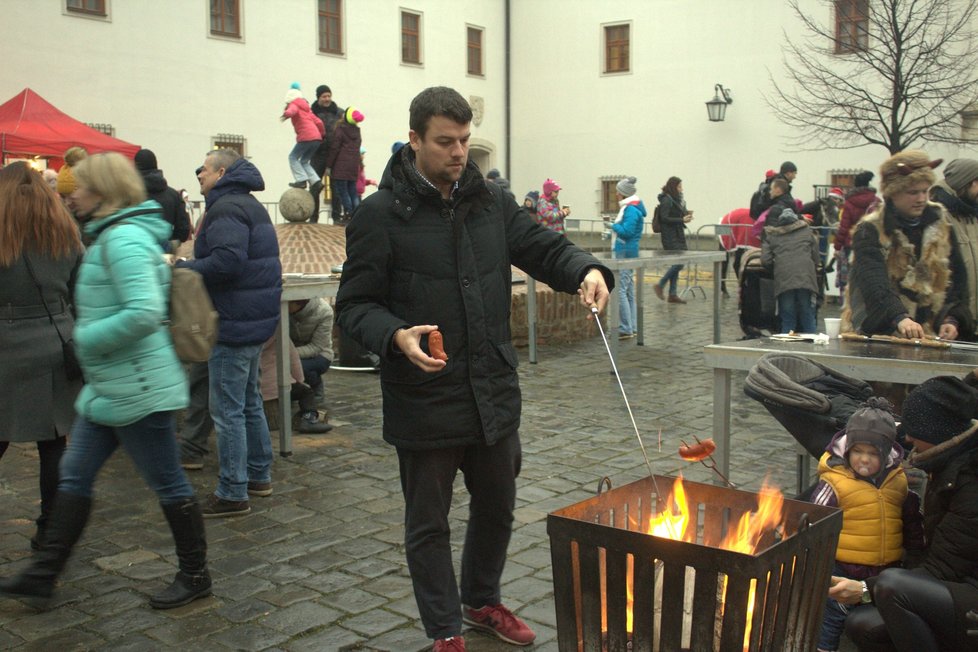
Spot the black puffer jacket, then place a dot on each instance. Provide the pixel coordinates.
(414, 258)
(951, 530)
(174, 210)
(673, 228)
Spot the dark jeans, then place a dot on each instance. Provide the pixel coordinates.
(49, 453)
(313, 368)
(912, 611)
(149, 442)
(197, 425)
(346, 191)
(797, 311)
(305, 397)
(427, 477)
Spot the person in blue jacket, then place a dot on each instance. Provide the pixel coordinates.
(236, 252)
(626, 232)
(133, 379)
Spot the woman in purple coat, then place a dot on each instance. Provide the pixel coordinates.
(343, 160)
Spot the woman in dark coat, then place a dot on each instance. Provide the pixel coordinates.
(923, 607)
(343, 160)
(40, 251)
(673, 218)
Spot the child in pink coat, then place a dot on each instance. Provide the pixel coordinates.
(309, 132)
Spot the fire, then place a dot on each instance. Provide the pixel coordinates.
(669, 524)
(673, 523)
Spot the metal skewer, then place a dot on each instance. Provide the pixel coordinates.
(712, 465)
(631, 416)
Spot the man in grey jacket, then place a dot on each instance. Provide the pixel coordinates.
(958, 193)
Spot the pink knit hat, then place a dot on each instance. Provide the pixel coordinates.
(550, 186)
(837, 193)
(353, 116)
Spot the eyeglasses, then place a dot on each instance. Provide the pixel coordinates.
(198, 171)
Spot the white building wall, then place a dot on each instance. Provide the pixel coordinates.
(575, 124)
(154, 73)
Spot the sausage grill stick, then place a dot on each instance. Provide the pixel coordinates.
(631, 416)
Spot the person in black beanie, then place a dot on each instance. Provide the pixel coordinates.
(174, 208)
(326, 109)
(923, 607)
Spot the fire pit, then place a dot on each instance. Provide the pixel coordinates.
(708, 580)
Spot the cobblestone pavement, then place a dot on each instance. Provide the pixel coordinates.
(319, 565)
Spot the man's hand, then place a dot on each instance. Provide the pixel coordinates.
(910, 329)
(846, 591)
(593, 291)
(948, 332)
(408, 342)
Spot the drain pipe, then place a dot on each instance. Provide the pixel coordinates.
(506, 92)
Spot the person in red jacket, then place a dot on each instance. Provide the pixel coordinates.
(309, 132)
(858, 202)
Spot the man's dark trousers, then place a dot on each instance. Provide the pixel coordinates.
(197, 425)
(427, 477)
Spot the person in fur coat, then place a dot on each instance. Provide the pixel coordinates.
(309, 132)
(907, 276)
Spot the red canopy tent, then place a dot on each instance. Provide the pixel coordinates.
(32, 126)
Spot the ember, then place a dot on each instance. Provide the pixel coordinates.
(633, 570)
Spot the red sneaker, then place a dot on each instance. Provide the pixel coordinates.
(498, 620)
(453, 644)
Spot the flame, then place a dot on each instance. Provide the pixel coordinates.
(669, 524)
(673, 523)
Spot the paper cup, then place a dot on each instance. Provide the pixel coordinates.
(832, 327)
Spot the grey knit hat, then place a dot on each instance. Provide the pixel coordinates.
(960, 172)
(626, 187)
(872, 424)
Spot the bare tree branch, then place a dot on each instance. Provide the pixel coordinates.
(912, 82)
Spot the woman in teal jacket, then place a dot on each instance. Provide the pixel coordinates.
(626, 232)
(134, 380)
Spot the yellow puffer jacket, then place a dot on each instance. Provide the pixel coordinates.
(864, 510)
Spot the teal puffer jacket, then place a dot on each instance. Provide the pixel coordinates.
(124, 347)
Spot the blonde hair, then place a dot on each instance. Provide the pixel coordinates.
(32, 217)
(112, 177)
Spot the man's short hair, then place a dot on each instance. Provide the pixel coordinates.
(223, 158)
(438, 100)
(781, 185)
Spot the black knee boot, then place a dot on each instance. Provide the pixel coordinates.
(50, 452)
(63, 529)
(192, 580)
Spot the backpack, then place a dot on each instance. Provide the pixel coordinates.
(758, 200)
(192, 320)
(656, 222)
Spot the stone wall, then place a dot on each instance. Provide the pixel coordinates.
(560, 317)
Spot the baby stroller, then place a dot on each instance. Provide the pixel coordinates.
(811, 401)
(758, 305)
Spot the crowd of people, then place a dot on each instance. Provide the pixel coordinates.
(87, 277)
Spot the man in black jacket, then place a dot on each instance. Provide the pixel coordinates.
(326, 110)
(174, 209)
(431, 251)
